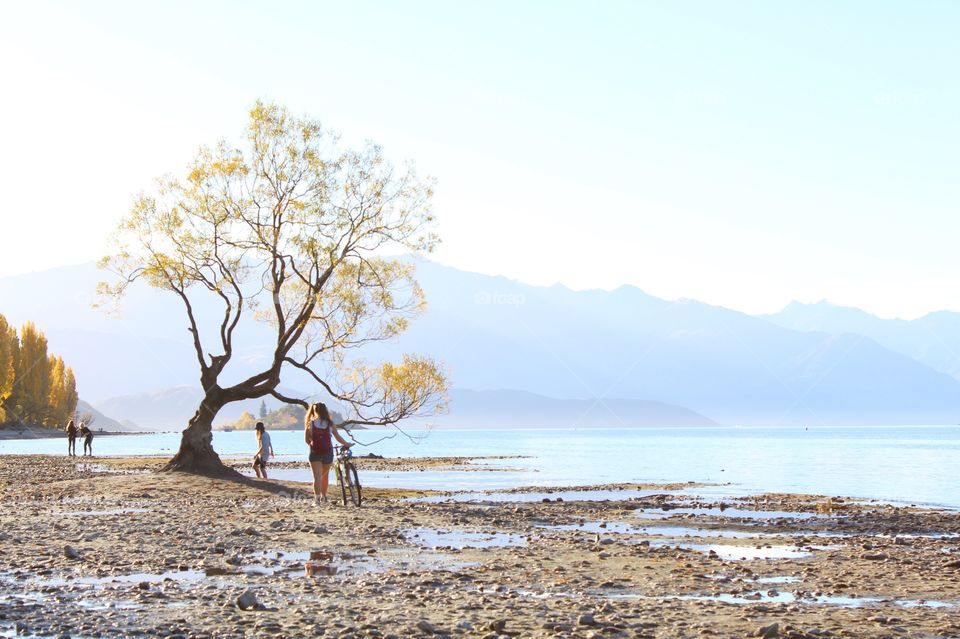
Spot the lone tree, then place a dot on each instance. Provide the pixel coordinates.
(288, 231)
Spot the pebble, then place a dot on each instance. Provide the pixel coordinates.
(532, 586)
(873, 556)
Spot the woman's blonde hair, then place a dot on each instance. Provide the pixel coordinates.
(317, 411)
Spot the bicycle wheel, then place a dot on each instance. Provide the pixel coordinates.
(341, 476)
(353, 481)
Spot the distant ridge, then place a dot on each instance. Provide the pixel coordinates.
(102, 422)
(171, 409)
(933, 339)
(519, 409)
(822, 368)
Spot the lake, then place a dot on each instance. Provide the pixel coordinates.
(914, 465)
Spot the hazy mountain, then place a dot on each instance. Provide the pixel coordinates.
(144, 348)
(101, 421)
(494, 333)
(505, 408)
(497, 333)
(172, 408)
(933, 339)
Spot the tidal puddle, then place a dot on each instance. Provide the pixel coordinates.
(735, 553)
(102, 469)
(651, 513)
(104, 513)
(464, 480)
(439, 538)
(779, 579)
(545, 496)
(297, 563)
(775, 596)
(658, 531)
(259, 570)
(135, 578)
(113, 605)
(13, 634)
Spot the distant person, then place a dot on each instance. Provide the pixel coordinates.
(318, 428)
(87, 439)
(264, 451)
(71, 439)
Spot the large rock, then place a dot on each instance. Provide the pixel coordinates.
(768, 632)
(426, 627)
(248, 601)
(586, 619)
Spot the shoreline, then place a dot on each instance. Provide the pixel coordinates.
(51, 433)
(138, 463)
(115, 548)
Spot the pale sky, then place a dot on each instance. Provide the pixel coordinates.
(740, 153)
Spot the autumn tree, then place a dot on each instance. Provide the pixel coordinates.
(9, 357)
(288, 230)
(33, 376)
(71, 397)
(63, 398)
(35, 388)
(246, 421)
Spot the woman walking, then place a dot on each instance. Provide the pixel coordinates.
(317, 431)
(71, 439)
(264, 451)
(87, 440)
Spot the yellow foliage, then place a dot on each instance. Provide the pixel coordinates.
(35, 388)
(285, 228)
(9, 354)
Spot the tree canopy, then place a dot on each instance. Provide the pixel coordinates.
(289, 230)
(36, 388)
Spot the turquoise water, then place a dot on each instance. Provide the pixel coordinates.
(903, 464)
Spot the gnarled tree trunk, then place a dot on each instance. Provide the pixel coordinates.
(196, 454)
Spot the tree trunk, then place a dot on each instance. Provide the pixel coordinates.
(196, 454)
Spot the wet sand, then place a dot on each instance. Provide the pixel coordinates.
(112, 548)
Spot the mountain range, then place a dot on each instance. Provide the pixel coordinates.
(933, 339)
(544, 352)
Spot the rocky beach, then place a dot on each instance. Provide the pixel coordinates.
(113, 548)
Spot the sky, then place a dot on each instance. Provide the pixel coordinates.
(741, 153)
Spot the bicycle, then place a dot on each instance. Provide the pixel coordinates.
(347, 476)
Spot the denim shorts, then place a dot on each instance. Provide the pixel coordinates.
(321, 457)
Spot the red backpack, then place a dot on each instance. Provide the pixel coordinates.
(320, 438)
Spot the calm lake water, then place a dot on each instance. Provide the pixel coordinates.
(904, 464)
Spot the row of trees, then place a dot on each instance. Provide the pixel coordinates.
(36, 388)
(287, 417)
